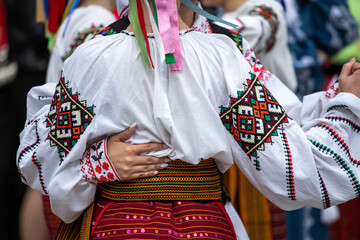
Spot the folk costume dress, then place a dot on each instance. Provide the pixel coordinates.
(84, 23)
(263, 24)
(214, 113)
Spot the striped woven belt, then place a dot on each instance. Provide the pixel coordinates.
(179, 181)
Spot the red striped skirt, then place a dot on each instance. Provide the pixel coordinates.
(181, 202)
(161, 220)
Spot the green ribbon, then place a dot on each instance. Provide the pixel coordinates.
(134, 18)
(155, 13)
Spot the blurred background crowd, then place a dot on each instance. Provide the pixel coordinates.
(321, 36)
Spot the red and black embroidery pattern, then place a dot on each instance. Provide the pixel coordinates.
(260, 71)
(68, 118)
(253, 118)
(338, 140)
(324, 192)
(38, 166)
(332, 91)
(96, 167)
(289, 168)
(29, 148)
(354, 127)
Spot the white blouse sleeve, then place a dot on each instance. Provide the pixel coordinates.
(57, 154)
(312, 163)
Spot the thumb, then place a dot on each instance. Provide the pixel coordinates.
(126, 134)
(355, 67)
(347, 68)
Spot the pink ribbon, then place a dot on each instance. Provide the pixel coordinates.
(169, 30)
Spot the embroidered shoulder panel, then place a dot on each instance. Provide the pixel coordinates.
(237, 38)
(68, 119)
(82, 37)
(107, 31)
(253, 117)
(115, 27)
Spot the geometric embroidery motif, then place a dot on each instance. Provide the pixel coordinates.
(68, 119)
(82, 37)
(290, 179)
(253, 117)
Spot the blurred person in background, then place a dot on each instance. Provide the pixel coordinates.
(27, 48)
(317, 29)
(262, 23)
(87, 19)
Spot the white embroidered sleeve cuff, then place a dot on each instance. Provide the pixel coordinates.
(96, 166)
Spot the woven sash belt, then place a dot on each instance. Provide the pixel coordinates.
(179, 181)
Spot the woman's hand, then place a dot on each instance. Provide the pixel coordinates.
(126, 158)
(349, 79)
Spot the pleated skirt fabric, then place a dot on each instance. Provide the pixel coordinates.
(161, 220)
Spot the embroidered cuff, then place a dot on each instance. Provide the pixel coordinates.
(96, 167)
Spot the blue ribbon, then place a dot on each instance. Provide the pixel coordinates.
(202, 12)
(76, 3)
(46, 8)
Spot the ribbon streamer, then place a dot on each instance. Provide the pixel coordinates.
(56, 11)
(68, 8)
(140, 38)
(202, 12)
(165, 26)
(169, 30)
(154, 25)
(143, 29)
(75, 4)
(46, 8)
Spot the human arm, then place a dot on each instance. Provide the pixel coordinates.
(313, 163)
(38, 161)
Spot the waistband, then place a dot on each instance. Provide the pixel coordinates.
(179, 181)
